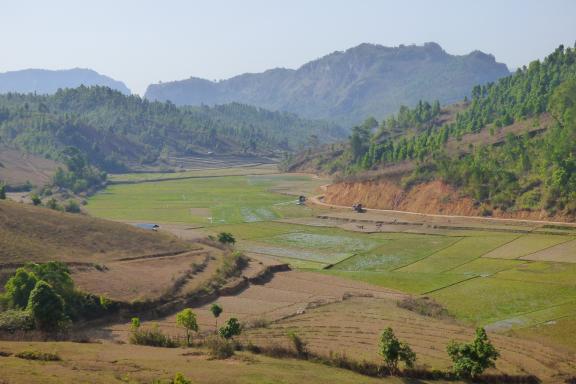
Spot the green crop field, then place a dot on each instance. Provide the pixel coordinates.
(525, 245)
(500, 279)
(396, 253)
(217, 200)
(459, 253)
(484, 300)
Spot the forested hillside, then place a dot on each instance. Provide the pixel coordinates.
(347, 86)
(533, 169)
(112, 129)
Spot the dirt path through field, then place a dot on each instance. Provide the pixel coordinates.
(429, 217)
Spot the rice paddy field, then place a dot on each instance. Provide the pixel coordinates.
(514, 280)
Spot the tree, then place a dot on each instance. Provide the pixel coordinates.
(216, 311)
(18, 288)
(231, 328)
(2, 191)
(472, 359)
(46, 307)
(226, 238)
(187, 319)
(393, 351)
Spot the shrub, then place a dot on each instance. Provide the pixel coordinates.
(16, 320)
(72, 207)
(470, 360)
(152, 337)
(36, 355)
(219, 347)
(423, 306)
(180, 379)
(53, 204)
(298, 344)
(35, 199)
(226, 238)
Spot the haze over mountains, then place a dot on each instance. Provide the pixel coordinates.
(347, 87)
(43, 81)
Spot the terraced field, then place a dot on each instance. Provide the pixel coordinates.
(514, 279)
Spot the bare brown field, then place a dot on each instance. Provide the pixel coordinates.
(353, 326)
(284, 295)
(17, 168)
(149, 278)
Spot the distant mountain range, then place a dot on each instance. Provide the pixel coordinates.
(43, 81)
(347, 87)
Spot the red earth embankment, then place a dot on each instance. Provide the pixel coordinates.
(434, 197)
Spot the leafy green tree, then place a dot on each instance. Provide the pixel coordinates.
(216, 310)
(470, 360)
(2, 191)
(187, 319)
(56, 274)
(230, 329)
(46, 307)
(393, 351)
(18, 288)
(226, 238)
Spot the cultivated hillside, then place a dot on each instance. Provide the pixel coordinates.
(510, 151)
(43, 81)
(113, 129)
(348, 86)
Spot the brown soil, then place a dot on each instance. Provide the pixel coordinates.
(148, 278)
(433, 197)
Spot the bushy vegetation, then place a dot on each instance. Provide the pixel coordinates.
(43, 296)
(37, 355)
(80, 176)
(151, 336)
(529, 171)
(113, 129)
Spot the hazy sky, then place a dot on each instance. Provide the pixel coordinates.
(142, 42)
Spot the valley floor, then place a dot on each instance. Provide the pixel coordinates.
(349, 271)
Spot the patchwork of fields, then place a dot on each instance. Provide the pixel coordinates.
(509, 278)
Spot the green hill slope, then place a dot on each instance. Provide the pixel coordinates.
(532, 166)
(113, 129)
